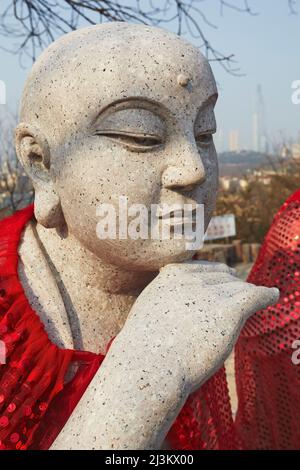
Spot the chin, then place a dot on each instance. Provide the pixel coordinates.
(155, 257)
(141, 255)
(156, 264)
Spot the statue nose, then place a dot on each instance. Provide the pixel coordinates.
(188, 173)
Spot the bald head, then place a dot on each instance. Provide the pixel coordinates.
(118, 109)
(85, 70)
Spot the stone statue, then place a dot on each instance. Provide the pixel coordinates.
(126, 110)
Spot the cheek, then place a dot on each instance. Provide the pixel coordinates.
(91, 174)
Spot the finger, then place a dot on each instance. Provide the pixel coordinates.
(233, 272)
(209, 267)
(213, 278)
(198, 266)
(267, 296)
(255, 298)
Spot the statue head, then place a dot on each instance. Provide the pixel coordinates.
(119, 110)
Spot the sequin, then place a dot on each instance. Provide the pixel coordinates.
(3, 329)
(11, 407)
(14, 437)
(4, 421)
(43, 406)
(27, 410)
(19, 445)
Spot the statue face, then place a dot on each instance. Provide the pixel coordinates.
(128, 112)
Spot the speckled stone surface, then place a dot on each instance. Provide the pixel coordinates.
(108, 111)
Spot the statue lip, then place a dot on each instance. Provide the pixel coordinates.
(180, 216)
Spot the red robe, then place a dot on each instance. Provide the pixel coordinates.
(268, 382)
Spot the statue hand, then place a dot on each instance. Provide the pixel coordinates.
(188, 318)
(179, 331)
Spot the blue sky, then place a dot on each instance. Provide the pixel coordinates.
(267, 48)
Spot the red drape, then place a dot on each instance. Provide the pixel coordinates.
(268, 382)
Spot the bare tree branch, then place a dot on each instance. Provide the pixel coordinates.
(292, 7)
(36, 23)
(16, 190)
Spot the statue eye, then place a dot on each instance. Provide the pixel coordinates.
(204, 140)
(136, 142)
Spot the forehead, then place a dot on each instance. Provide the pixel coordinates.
(129, 64)
(88, 70)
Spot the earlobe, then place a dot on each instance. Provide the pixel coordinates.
(47, 208)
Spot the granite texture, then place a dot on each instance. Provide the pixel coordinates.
(126, 110)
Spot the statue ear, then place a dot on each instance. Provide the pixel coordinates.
(34, 154)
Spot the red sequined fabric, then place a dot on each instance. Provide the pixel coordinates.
(268, 382)
(205, 422)
(35, 401)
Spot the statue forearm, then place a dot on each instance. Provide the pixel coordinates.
(128, 405)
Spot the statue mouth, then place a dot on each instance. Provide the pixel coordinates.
(179, 216)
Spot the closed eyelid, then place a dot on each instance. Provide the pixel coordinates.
(136, 138)
(135, 142)
(132, 120)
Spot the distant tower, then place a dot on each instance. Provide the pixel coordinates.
(219, 140)
(2, 92)
(260, 139)
(234, 141)
(255, 132)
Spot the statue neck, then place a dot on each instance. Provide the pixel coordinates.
(97, 297)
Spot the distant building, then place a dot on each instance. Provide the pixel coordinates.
(224, 183)
(255, 132)
(286, 152)
(232, 184)
(260, 134)
(239, 164)
(296, 151)
(234, 141)
(219, 140)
